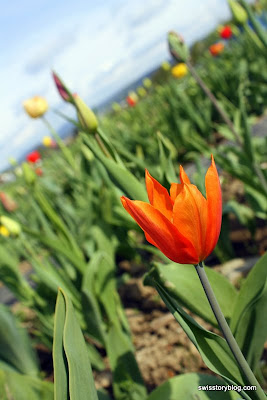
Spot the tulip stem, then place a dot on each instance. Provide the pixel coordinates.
(65, 151)
(227, 331)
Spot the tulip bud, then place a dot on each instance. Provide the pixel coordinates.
(13, 161)
(166, 66)
(116, 107)
(147, 83)
(36, 106)
(62, 89)
(177, 47)
(86, 116)
(28, 173)
(141, 91)
(8, 203)
(12, 226)
(238, 12)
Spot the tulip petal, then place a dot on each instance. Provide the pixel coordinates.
(158, 196)
(160, 231)
(175, 190)
(183, 177)
(214, 207)
(190, 217)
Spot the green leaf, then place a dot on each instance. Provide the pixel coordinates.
(92, 314)
(73, 374)
(10, 275)
(122, 177)
(186, 386)
(61, 384)
(248, 322)
(127, 380)
(57, 245)
(14, 386)
(182, 282)
(15, 345)
(212, 348)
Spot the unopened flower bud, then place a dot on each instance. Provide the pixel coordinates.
(29, 175)
(36, 106)
(12, 226)
(147, 83)
(177, 47)
(62, 89)
(240, 15)
(86, 116)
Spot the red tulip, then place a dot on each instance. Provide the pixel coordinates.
(216, 49)
(226, 32)
(131, 102)
(33, 157)
(184, 225)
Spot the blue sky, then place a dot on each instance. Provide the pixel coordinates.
(97, 47)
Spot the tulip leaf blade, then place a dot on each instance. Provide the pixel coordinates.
(73, 374)
(185, 286)
(16, 352)
(186, 386)
(122, 177)
(17, 386)
(247, 324)
(212, 348)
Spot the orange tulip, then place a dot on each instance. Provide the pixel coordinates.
(216, 49)
(184, 225)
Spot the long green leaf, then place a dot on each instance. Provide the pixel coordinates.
(187, 386)
(14, 386)
(127, 380)
(212, 348)
(248, 323)
(183, 283)
(122, 177)
(73, 374)
(15, 345)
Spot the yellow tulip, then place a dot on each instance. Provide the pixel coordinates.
(36, 106)
(179, 70)
(47, 141)
(4, 231)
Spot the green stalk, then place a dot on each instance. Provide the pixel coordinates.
(245, 368)
(65, 151)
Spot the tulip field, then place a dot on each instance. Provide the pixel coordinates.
(133, 258)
